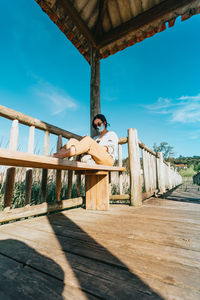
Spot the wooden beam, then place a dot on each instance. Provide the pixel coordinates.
(135, 169)
(11, 114)
(28, 211)
(102, 9)
(95, 104)
(77, 20)
(149, 16)
(22, 159)
(10, 173)
(97, 191)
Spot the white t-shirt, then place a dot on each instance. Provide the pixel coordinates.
(110, 140)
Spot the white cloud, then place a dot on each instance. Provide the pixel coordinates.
(195, 98)
(56, 99)
(188, 113)
(160, 105)
(194, 135)
(185, 109)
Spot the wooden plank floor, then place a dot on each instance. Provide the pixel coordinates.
(152, 252)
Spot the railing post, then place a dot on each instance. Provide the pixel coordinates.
(169, 175)
(145, 169)
(78, 183)
(120, 173)
(29, 171)
(135, 170)
(70, 182)
(45, 171)
(161, 178)
(58, 172)
(10, 174)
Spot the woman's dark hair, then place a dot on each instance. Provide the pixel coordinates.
(102, 118)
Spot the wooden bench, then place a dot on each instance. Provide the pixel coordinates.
(97, 179)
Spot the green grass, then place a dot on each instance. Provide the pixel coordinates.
(189, 172)
(36, 196)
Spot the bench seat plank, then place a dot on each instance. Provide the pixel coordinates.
(23, 159)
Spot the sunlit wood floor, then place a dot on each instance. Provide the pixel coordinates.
(152, 252)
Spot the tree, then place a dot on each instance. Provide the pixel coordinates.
(165, 148)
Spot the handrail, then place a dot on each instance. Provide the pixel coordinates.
(158, 175)
(11, 114)
(124, 140)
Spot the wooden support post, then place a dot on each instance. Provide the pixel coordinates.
(70, 182)
(170, 176)
(135, 170)
(58, 172)
(10, 174)
(151, 171)
(45, 171)
(145, 169)
(161, 179)
(97, 190)
(78, 184)
(120, 173)
(155, 171)
(95, 105)
(29, 171)
(110, 183)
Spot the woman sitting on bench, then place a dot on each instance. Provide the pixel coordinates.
(102, 149)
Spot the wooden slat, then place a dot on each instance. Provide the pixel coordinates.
(21, 159)
(72, 12)
(58, 172)
(120, 197)
(45, 171)
(78, 184)
(161, 179)
(97, 192)
(143, 19)
(28, 185)
(135, 171)
(70, 184)
(35, 210)
(117, 250)
(30, 121)
(120, 173)
(20, 282)
(145, 170)
(123, 140)
(10, 173)
(102, 8)
(29, 172)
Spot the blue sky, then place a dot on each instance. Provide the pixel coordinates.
(153, 86)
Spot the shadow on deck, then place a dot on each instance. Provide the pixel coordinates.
(187, 192)
(152, 252)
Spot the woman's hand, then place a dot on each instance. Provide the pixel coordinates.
(106, 148)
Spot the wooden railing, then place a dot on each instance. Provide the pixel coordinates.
(148, 178)
(48, 129)
(151, 176)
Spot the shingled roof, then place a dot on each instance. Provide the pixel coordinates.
(113, 25)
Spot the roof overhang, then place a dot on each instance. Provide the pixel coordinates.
(113, 25)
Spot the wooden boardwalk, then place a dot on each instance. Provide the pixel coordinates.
(152, 252)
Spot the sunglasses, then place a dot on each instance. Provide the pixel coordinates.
(98, 124)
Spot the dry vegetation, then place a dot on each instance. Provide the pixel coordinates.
(19, 190)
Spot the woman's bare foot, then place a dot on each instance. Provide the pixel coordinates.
(62, 153)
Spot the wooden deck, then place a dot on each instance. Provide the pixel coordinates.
(152, 252)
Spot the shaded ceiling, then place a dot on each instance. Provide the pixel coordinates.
(113, 25)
